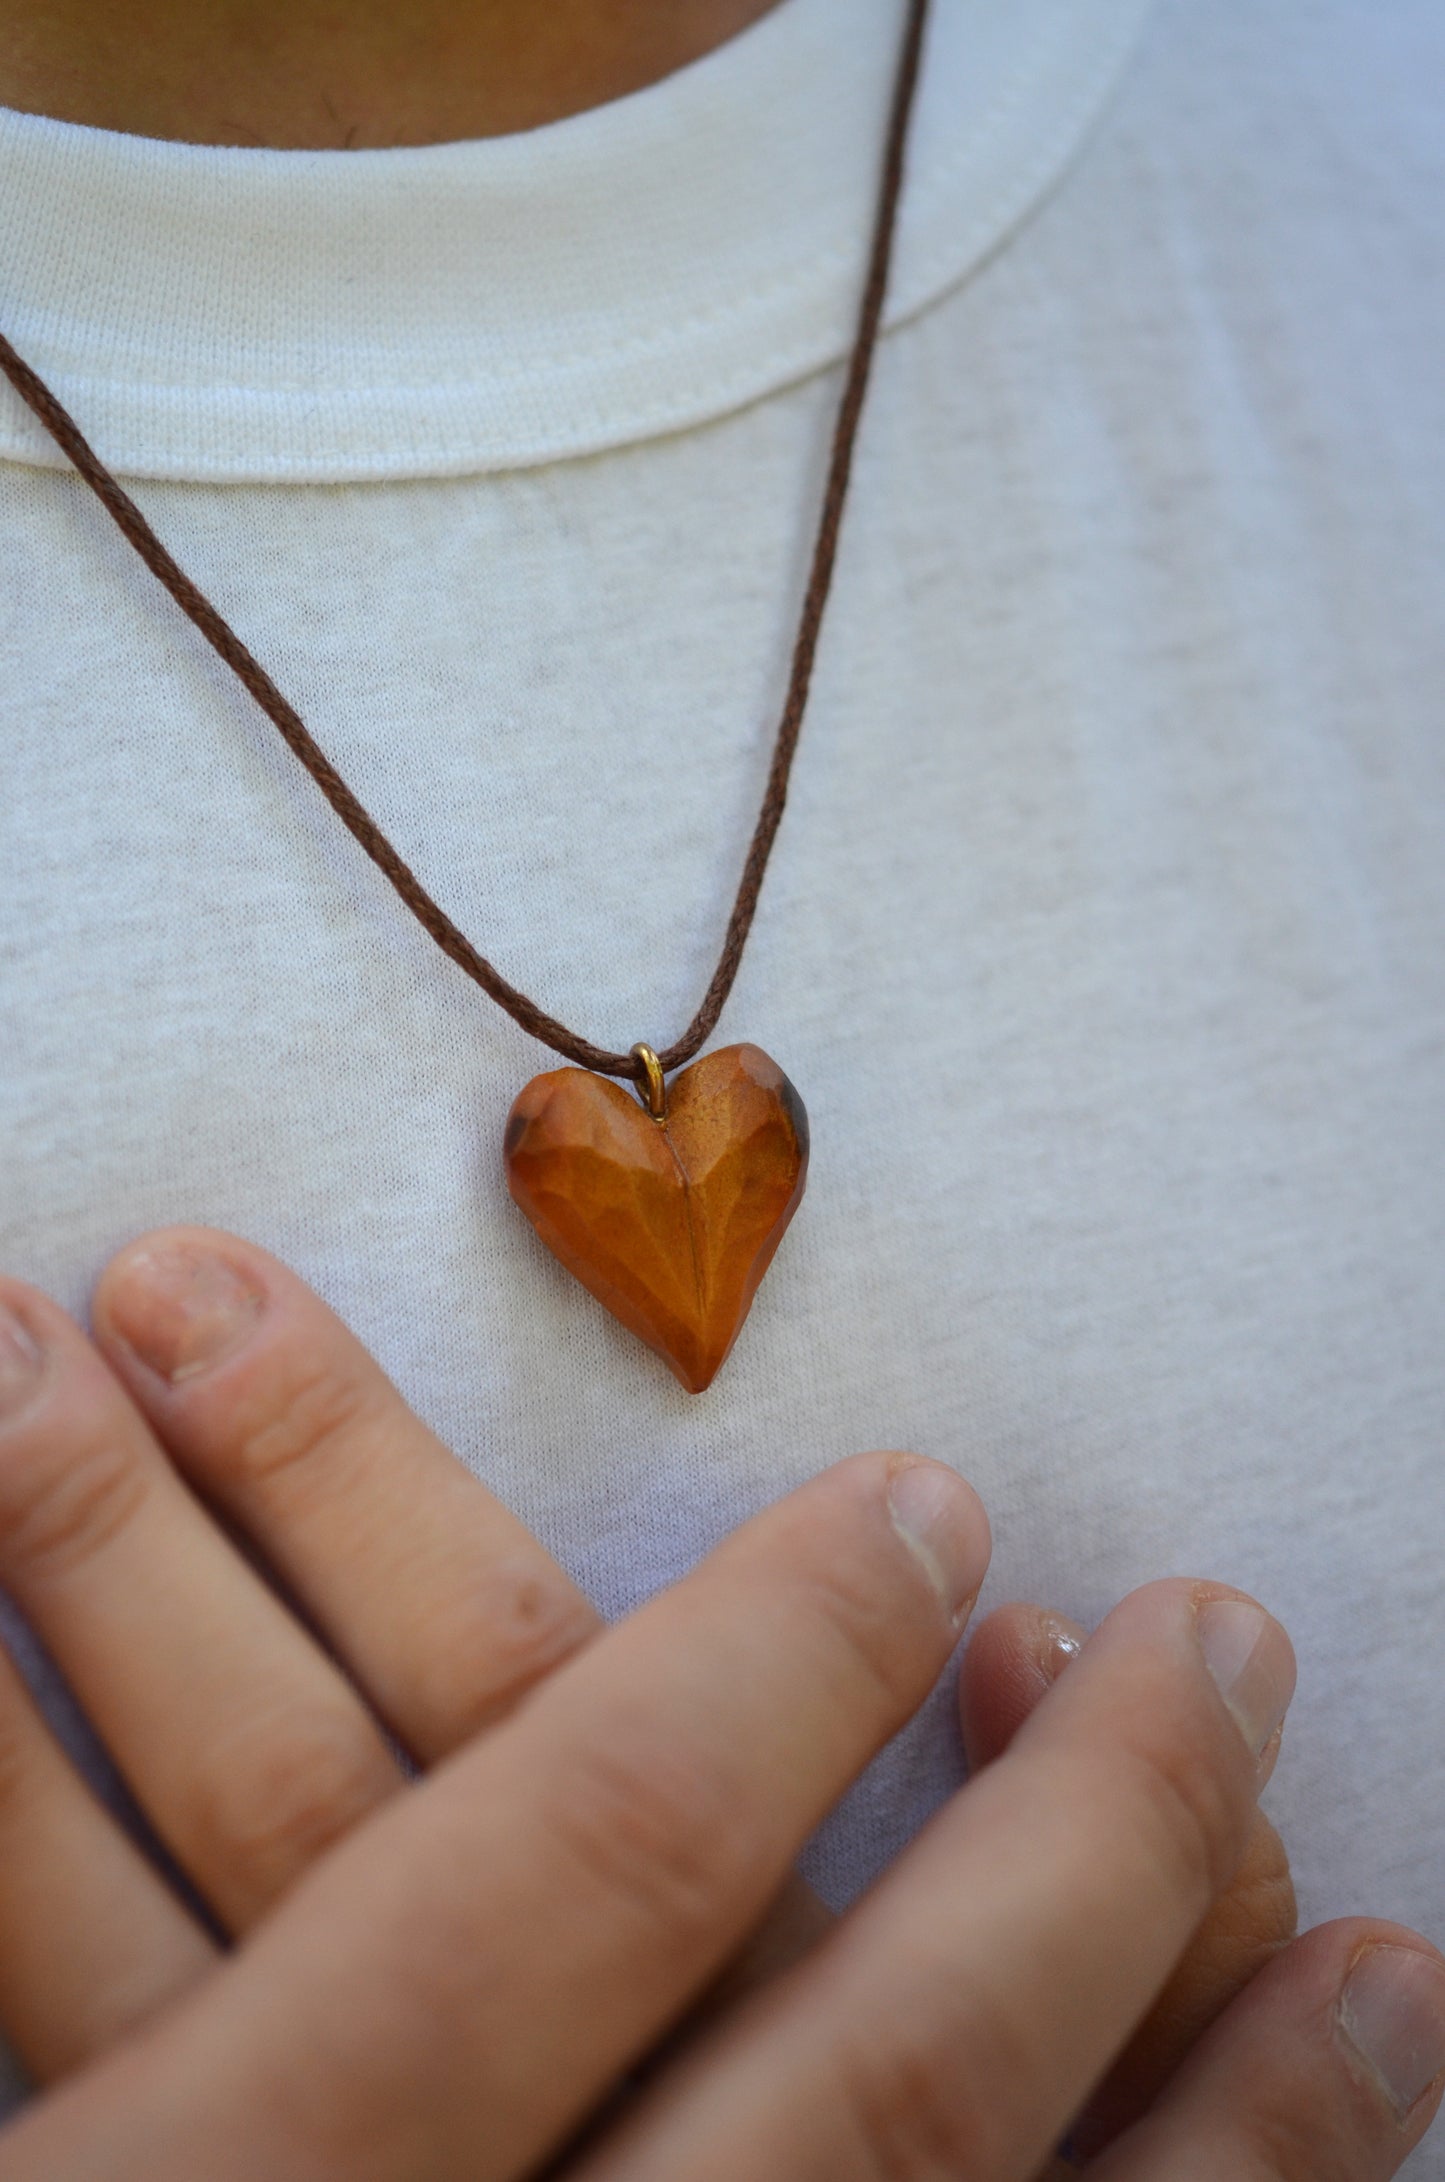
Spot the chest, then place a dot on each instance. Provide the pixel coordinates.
(1098, 941)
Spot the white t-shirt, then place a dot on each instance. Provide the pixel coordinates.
(1103, 937)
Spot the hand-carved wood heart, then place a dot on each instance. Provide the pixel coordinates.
(671, 1223)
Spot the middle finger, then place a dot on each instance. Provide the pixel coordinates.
(441, 1603)
(1015, 1657)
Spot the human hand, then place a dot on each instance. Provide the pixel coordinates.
(927, 2039)
(245, 1747)
(77, 1515)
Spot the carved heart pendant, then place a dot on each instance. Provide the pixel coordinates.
(671, 1223)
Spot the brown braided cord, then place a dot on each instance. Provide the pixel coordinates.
(353, 815)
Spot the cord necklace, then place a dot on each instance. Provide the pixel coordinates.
(668, 1211)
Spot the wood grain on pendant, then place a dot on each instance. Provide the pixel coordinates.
(670, 1223)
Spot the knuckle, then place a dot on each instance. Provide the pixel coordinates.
(655, 1830)
(286, 1429)
(885, 1648)
(524, 1625)
(65, 1496)
(1302, 2142)
(914, 2110)
(1193, 1813)
(276, 1797)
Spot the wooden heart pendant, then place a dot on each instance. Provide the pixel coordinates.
(670, 1222)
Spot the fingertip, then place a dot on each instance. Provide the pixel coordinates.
(1320, 1962)
(44, 1354)
(1336, 2049)
(942, 1520)
(22, 1350)
(1248, 1656)
(1013, 1659)
(41, 1316)
(177, 1300)
(1390, 2017)
(181, 1242)
(1251, 1661)
(1057, 1641)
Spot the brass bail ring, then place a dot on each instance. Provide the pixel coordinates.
(654, 1092)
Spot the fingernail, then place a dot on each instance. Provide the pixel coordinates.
(1058, 1642)
(1252, 1662)
(936, 1515)
(1392, 2011)
(20, 1361)
(181, 1311)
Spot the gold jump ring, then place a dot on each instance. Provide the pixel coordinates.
(655, 1089)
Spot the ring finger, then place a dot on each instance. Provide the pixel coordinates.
(91, 1937)
(245, 1744)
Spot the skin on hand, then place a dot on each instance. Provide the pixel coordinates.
(448, 1978)
(310, 1453)
(1015, 1657)
(446, 1607)
(247, 1746)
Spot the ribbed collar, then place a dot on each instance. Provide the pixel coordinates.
(236, 315)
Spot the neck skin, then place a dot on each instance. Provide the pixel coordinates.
(344, 74)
